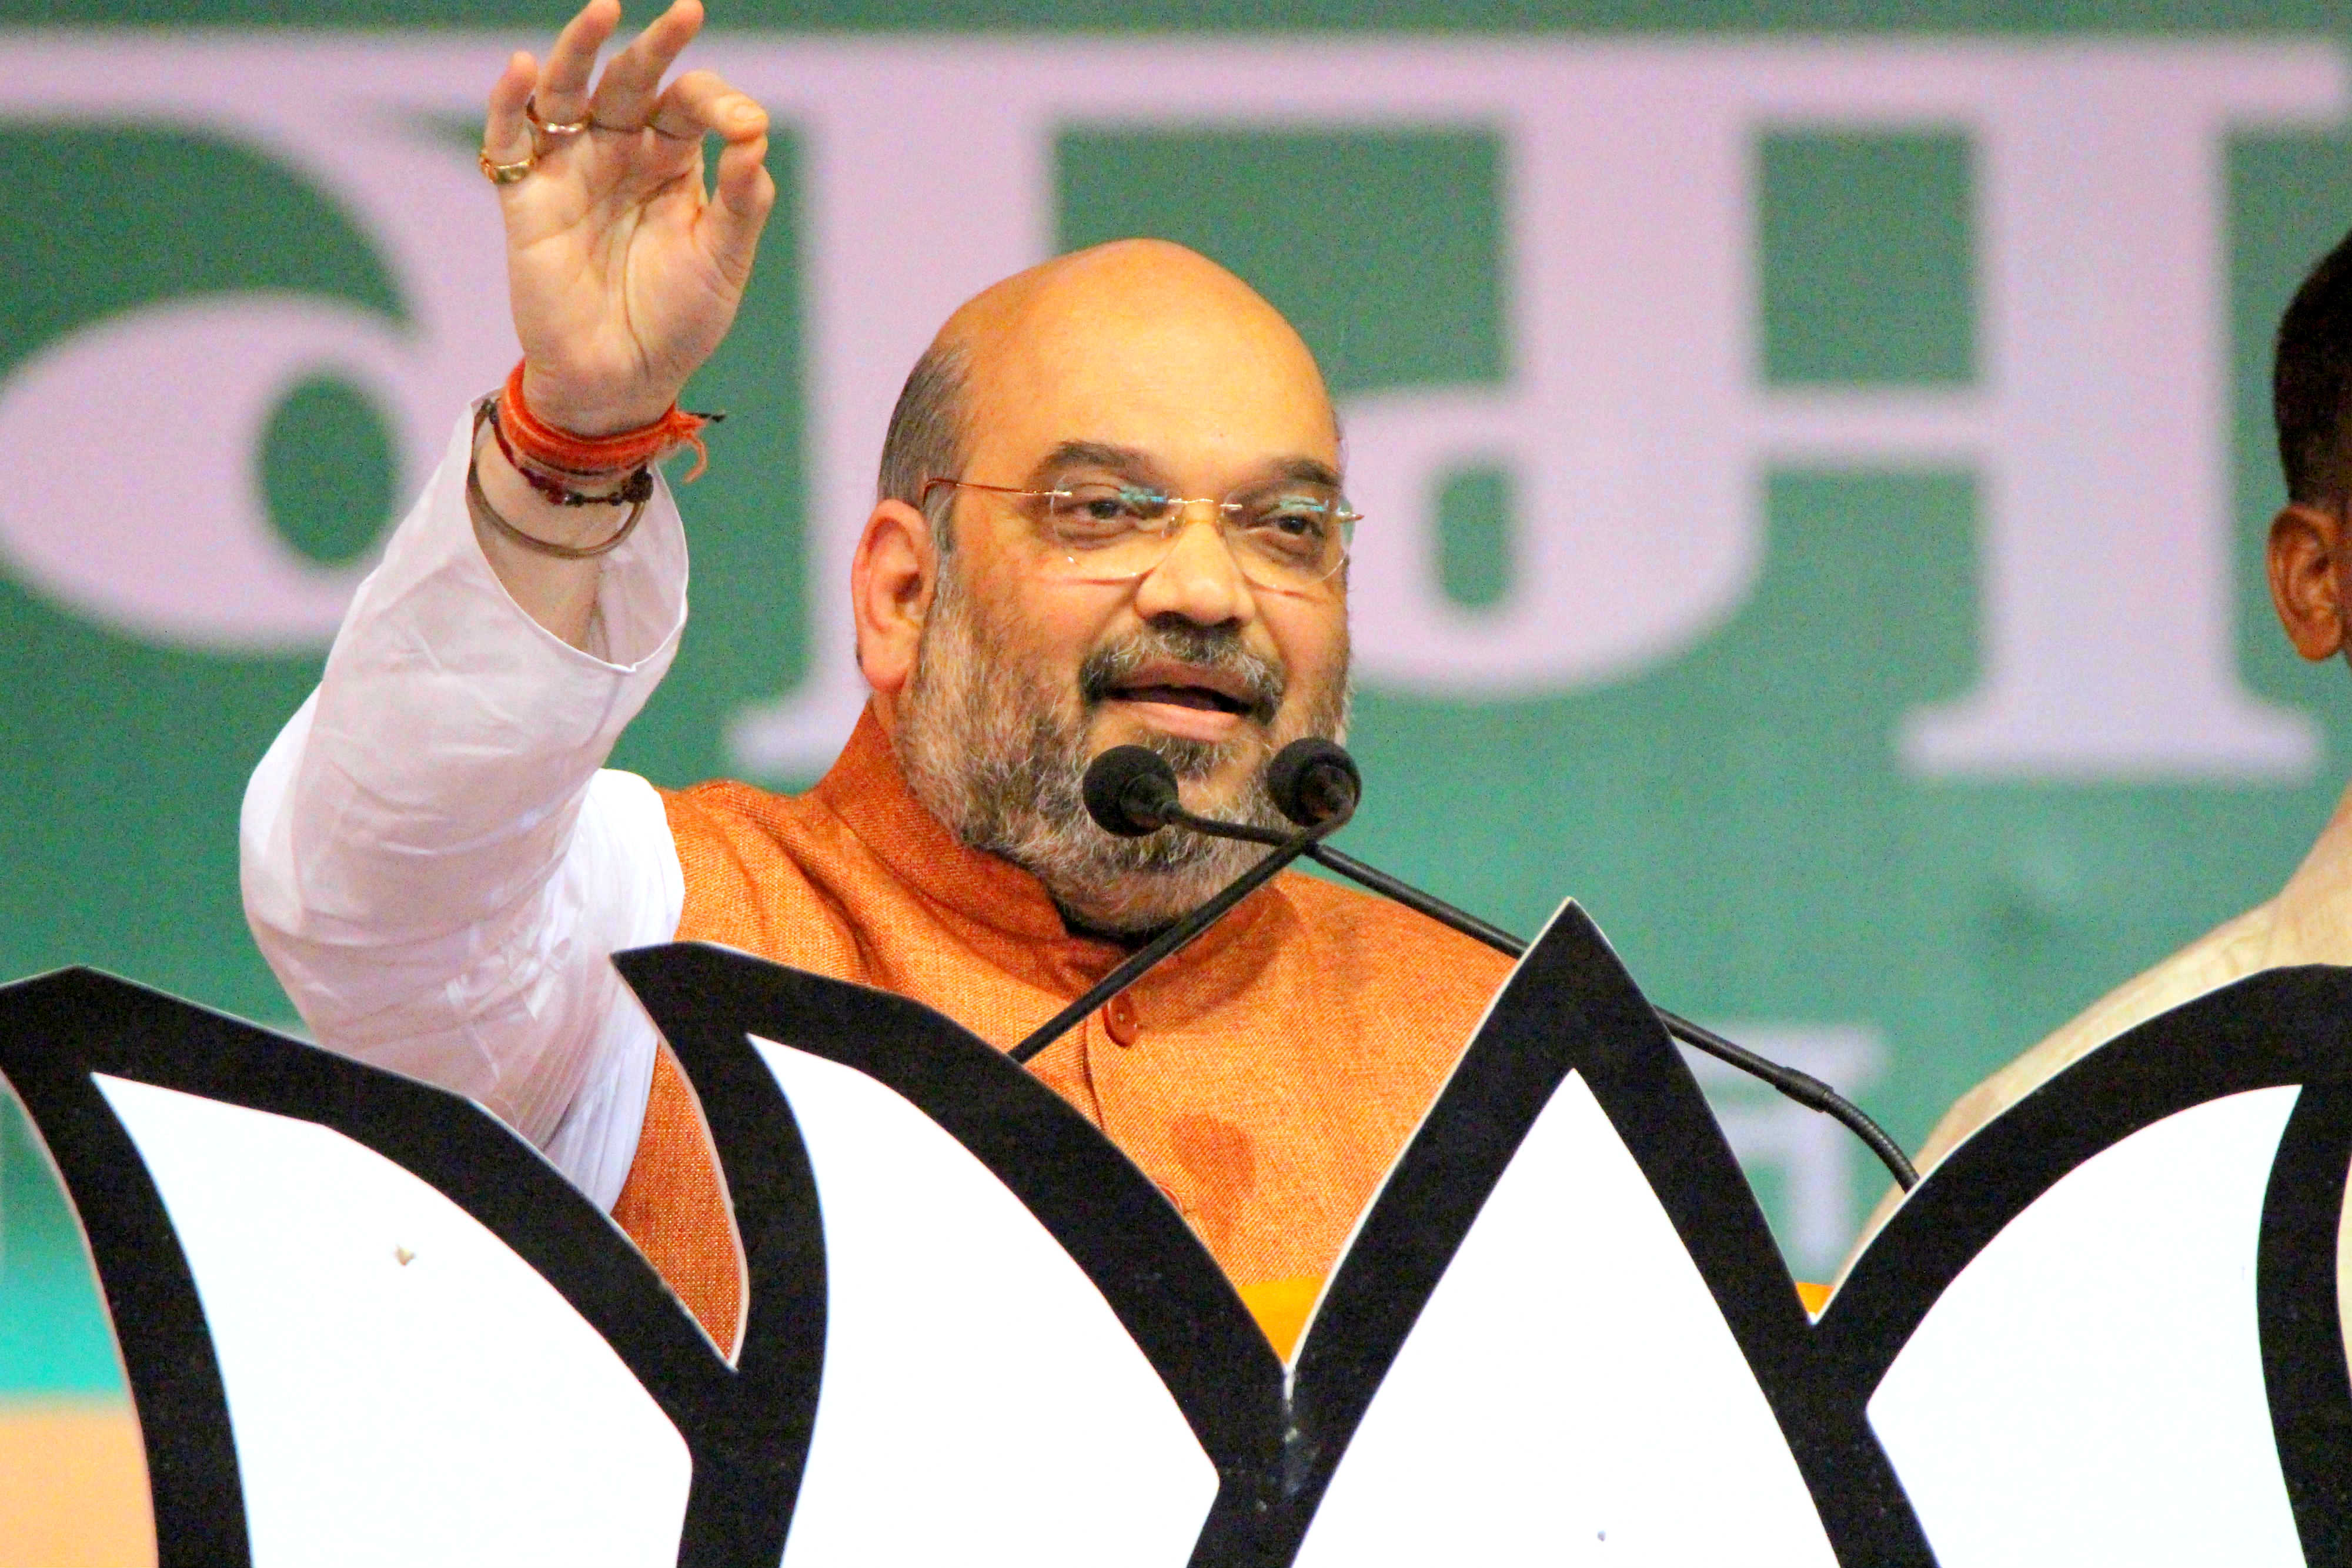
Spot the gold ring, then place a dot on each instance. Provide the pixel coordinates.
(505, 174)
(546, 128)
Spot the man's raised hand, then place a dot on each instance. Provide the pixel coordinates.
(623, 272)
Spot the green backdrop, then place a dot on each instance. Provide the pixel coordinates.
(1737, 816)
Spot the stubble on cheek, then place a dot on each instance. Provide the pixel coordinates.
(995, 744)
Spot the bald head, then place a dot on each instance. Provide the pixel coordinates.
(1002, 667)
(1128, 317)
(1126, 339)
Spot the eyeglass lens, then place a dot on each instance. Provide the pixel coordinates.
(1286, 535)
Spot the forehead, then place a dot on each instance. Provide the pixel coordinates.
(1211, 391)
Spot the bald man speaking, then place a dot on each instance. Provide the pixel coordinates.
(1109, 512)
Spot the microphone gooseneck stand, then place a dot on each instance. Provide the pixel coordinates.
(1288, 848)
(1314, 777)
(1802, 1087)
(1131, 790)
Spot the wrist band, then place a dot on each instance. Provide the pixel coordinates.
(589, 456)
(480, 501)
(638, 487)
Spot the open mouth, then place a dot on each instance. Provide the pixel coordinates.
(1206, 676)
(1201, 697)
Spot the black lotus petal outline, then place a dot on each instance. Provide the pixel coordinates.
(746, 1426)
(1569, 1009)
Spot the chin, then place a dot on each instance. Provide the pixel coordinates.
(1222, 793)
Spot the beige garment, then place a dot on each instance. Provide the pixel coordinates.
(2310, 922)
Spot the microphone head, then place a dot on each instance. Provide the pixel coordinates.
(1129, 790)
(1313, 780)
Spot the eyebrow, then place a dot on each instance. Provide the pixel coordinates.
(1136, 463)
(1126, 460)
(1307, 471)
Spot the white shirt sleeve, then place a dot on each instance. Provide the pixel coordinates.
(435, 862)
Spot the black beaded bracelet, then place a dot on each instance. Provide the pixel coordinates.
(637, 488)
(636, 495)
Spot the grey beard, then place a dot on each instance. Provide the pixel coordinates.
(998, 752)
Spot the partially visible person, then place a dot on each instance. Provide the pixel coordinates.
(2310, 561)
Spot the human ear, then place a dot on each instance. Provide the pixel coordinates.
(2308, 572)
(891, 581)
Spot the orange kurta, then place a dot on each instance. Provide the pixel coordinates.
(1265, 1077)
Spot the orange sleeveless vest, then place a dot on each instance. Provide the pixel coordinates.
(1265, 1077)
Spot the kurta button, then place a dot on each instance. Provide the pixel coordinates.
(1120, 1020)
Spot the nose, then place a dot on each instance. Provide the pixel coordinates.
(1198, 579)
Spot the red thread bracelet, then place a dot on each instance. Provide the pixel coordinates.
(639, 492)
(637, 485)
(589, 456)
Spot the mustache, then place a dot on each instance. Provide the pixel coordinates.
(1213, 648)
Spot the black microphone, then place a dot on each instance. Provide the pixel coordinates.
(1131, 790)
(1313, 779)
